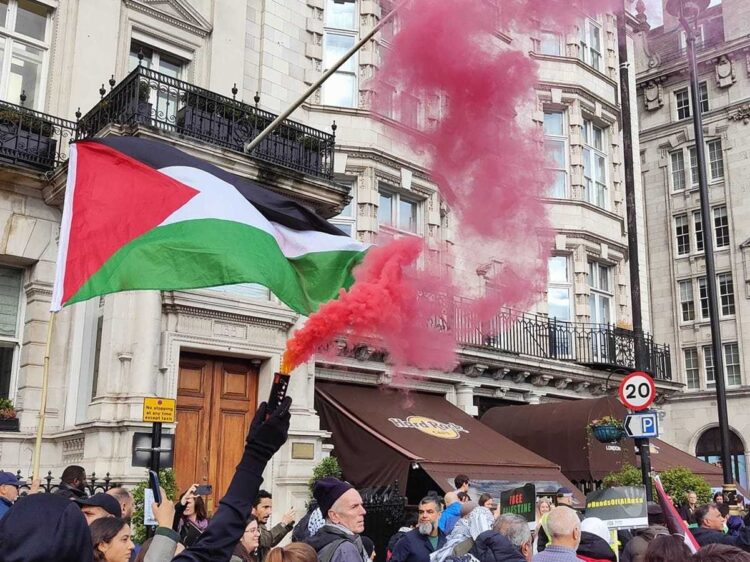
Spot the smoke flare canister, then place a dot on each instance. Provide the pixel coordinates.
(278, 392)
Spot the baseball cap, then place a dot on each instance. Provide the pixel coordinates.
(105, 501)
(10, 479)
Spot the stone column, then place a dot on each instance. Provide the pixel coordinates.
(465, 398)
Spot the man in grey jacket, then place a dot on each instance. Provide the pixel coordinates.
(339, 539)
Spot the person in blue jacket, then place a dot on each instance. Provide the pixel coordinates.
(452, 513)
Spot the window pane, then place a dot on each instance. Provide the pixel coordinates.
(341, 14)
(336, 46)
(698, 229)
(678, 170)
(694, 165)
(10, 294)
(682, 100)
(726, 294)
(135, 48)
(407, 216)
(170, 66)
(558, 300)
(345, 227)
(25, 74)
(559, 187)
(550, 44)
(691, 368)
(339, 90)
(553, 123)
(682, 233)
(732, 364)
(385, 209)
(556, 152)
(708, 361)
(558, 269)
(703, 92)
(721, 225)
(703, 294)
(716, 158)
(31, 19)
(3, 12)
(687, 304)
(6, 369)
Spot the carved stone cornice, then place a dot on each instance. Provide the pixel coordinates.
(189, 20)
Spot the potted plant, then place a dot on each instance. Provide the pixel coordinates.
(8, 419)
(607, 429)
(27, 138)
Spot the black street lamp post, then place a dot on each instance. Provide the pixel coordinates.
(688, 12)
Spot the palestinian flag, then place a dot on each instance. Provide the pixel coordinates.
(674, 522)
(140, 214)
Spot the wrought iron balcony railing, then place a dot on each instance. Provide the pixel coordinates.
(595, 345)
(33, 139)
(147, 97)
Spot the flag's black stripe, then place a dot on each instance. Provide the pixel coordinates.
(271, 205)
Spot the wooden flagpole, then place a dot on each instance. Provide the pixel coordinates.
(43, 405)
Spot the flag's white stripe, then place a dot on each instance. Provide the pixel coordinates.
(62, 245)
(219, 199)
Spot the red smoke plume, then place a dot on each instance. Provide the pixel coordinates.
(487, 161)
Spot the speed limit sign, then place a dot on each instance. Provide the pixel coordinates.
(637, 391)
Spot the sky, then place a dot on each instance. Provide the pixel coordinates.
(653, 10)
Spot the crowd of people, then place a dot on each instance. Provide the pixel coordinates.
(71, 526)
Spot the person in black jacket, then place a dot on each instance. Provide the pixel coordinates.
(228, 523)
(491, 546)
(45, 528)
(73, 483)
(419, 543)
(710, 529)
(407, 524)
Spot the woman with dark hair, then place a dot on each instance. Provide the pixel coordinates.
(190, 516)
(720, 553)
(667, 548)
(247, 549)
(111, 539)
(295, 552)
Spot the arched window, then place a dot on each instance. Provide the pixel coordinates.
(709, 450)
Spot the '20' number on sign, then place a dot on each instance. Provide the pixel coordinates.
(637, 391)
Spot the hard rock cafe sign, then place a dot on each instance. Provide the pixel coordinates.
(430, 427)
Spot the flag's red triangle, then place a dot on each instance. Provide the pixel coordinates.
(116, 199)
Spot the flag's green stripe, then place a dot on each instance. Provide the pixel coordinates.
(211, 252)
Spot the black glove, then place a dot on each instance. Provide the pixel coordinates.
(267, 436)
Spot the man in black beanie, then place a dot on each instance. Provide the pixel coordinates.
(45, 528)
(339, 539)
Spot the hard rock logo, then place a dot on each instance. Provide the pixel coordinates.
(430, 427)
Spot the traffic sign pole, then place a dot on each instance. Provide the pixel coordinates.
(637, 392)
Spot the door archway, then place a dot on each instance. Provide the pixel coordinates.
(708, 449)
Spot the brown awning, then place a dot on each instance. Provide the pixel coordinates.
(664, 456)
(379, 432)
(557, 431)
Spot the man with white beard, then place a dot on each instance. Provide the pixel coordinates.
(419, 543)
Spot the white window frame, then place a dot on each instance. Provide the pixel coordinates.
(692, 364)
(561, 138)
(348, 221)
(545, 37)
(725, 216)
(708, 358)
(396, 197)
(682, 221)
(353, 34)
(563, 340)
(588, 54)
(10, 37)
(687, 108)
(710, 161)
(677, 159)
(590, 154)
(15, 342)
(686, 296)
(566, 286)
(727, 299)
(599, 295)
(698, 239)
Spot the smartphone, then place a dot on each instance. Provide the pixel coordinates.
(278, 392)
(153, 484)
(204, 490)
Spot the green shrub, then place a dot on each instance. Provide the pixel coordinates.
(679, 481)
(676, 481)
(329, 466)
(167, 480)
(627, 476)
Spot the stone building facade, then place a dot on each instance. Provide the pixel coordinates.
(675, 253)
(216, 350)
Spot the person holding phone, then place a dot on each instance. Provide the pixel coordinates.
(191, 516)
(262, 510)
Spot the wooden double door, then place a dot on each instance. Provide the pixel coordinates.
(216, 401)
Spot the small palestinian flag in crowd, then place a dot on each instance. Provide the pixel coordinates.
(140, 214)
(673, 520)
